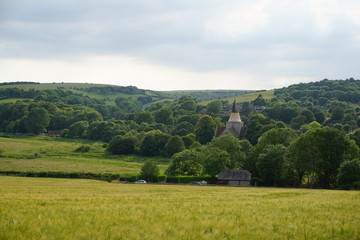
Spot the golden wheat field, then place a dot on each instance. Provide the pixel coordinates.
(43, 208)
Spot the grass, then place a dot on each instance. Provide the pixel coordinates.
(33, 208)
(42, 154)
(245, 97)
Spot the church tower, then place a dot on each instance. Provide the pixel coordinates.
(234, 125)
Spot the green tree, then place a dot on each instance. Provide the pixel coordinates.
(309, 116)
(232, 146)
(187, 103)
(78, 129)
(355, 135)
(174, 145)
(337, 114)
(271, 165)
(150, 171)
(153, 143)
(38, 120)
(318, 154)
(310, 126)
(259, 101)
(205, 129)
(164, 115)
(144, 116)
(187, 162)
(214, 107)
(349, 173)
(214, 160)
(122, 144)
(189, 139)
(183, 128)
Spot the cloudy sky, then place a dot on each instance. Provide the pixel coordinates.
(180, 44)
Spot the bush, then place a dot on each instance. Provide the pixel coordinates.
(122, 145)
(83, 148)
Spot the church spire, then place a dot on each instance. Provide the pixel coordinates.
(234, 107)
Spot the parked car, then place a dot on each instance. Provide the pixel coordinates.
(140, 181)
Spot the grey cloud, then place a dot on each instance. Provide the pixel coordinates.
(173, 33)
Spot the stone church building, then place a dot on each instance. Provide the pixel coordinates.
(234, 125)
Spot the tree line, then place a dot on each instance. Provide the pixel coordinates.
(286, 143)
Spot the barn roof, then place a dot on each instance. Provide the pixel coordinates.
(234, 175)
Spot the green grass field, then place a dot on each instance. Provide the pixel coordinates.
(44, 154)
(245, 97)
(42, 208)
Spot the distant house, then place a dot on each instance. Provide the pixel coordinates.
(236, 177)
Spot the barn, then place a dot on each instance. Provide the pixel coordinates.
(235, 177)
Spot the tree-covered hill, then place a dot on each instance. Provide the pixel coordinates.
(304, 134)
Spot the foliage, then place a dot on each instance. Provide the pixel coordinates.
(349, 173)
(214, 160)
(83, 148)
(174, 145)
(187, 162)
(271, 165)
(153, 143)
(37, 121)
(214, 107)
(355, 135)
(318, 154)
(259, 101)
(205, 129)
(144, 116)
(150, 171)
(122, 144)
(232, 146)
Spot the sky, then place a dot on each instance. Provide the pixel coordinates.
(180, 45)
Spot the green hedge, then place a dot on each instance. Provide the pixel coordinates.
(98, 176)
(134, 178)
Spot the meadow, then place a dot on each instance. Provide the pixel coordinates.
(248, 97)
(54, 154)
(43, 208)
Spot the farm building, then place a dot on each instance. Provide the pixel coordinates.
(235, 177)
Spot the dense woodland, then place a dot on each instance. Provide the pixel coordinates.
(307, 135)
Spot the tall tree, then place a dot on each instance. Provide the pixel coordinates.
(318, 154)
(214, 107)
(150, 170)
(205, 129)
(174, 145)
(187, 162)
(38, 120)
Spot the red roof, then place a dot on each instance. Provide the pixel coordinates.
(219, 131)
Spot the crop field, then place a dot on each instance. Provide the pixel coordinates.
(43, 154)
(42, 208)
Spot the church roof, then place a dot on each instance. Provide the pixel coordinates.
(219, 130)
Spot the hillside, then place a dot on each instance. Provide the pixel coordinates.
(179, 133)
(108, 93)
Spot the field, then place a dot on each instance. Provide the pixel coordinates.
(248, 97)
(44, 154)
(42, 208)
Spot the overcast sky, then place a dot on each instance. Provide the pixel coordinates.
(180, 44)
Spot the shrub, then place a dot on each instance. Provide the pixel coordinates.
(83, 148)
